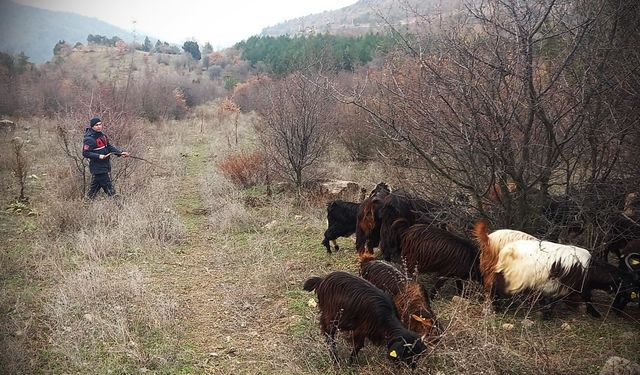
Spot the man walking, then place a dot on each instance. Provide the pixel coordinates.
(98, 150)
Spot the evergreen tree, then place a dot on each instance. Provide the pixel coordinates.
(192, 48)
(207, 49)
(146, 46)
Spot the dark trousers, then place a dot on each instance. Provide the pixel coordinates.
(98, 181)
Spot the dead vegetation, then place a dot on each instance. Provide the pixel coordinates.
(197, 266)
(178, 274)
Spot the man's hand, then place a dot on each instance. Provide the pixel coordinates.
(101, 157)
(125, 154)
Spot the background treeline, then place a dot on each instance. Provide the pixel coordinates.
(527, 111)
(103, 40)
(286, 54)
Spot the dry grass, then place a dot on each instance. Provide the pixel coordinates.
(181, 275)
(105, 319)
(78, 298)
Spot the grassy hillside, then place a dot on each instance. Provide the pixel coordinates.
(361, 17)
(36, 31)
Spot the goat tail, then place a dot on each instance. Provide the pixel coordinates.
(481, 235)
(312, 283)
(488, 256)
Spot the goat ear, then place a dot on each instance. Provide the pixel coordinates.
(417, 318)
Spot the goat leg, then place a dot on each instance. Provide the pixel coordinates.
(325, 242)
(331, 340)
(586, 296)
(547, 307)
(358, 343)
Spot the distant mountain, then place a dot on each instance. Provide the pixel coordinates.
(362, 17)
(36, 31)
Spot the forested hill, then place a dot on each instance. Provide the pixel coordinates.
(36, 31)
(362, 17)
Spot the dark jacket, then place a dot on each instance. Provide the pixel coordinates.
(96, 144)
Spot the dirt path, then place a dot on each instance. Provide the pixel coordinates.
(186, 272)
(224, 294)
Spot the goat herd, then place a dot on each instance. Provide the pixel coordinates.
(386, 305)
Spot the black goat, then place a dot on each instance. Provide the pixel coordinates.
(629, 268)
(350, 303)
(341, 219)
(402, 205)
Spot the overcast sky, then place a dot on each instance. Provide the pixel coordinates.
(220, 22)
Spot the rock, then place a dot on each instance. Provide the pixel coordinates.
(338, 189)
(7, 127)
(312, 303)
(565, 327)
(620, 366)
(507, 326)
(88, 317)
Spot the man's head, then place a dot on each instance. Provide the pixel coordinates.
(95, 124)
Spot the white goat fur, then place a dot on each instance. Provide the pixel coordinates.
(501, 237)
(526, 265)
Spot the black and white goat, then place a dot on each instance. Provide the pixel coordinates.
(551, 269)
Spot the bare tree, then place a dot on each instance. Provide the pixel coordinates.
(298, 115)
(229, 110)
(19, 164)
(500, 98)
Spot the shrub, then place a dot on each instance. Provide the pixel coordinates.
(244, 170)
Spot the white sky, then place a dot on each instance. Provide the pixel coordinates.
(220, 22)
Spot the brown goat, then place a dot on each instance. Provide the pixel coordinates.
(350, 303)
(368, 222)
(432, 250)
(409, 296)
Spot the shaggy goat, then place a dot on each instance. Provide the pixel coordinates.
(368, 219)
(350, 303)
(402, 205)
(432, 250)
(341, 218)
(551, 269)
(629, 266)
(409, 297)
(488, 259)
(623, 229)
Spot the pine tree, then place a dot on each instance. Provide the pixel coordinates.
(192, 48)
(147, 44)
